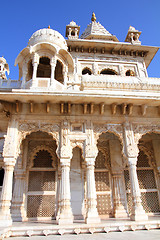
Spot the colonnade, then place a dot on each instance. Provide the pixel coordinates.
(65, 215)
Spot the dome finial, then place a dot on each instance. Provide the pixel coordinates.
(49, 27)
(93, 19)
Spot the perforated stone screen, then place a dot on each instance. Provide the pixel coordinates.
(41, 181)
(41, 206)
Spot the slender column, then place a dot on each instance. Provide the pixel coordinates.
(59, 195)
(66, 216)
(6, 195)
(35, 63)
(65, 72)
(92, 213)
(34, 76)
(53, 65)
(131, 153)
(18, 212)
(24, 77)
(119, 210)
(118, 189)
(137, 212)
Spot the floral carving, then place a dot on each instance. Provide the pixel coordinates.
(66, 151)
(130, 147)
(91, 151)
(114, 128)
(26, 127)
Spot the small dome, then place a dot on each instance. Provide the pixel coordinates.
(47, 35)
(72, 23)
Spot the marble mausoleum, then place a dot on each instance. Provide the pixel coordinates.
(80, 129)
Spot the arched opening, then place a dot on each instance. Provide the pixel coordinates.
(109, 164)
(77, 184)
(147, 174)
(72, 33)
(30, 71)
(40, 184)
(108, 72)
(59, 72)
(86, 71)
(130, 73)
(44, 68)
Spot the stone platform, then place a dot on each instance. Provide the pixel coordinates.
(46, 228)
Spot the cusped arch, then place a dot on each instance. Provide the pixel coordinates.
(106, 156)
(42, 148)
(113, 129)
(25, 129)
(148, 153)
(80, 145)
(86, 70)
(140, 131)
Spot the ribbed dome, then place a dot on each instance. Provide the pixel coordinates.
(47, 35)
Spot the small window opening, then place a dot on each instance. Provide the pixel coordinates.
(1, 176)
(86, 71)
(130, 73)
(44, 68)
(108, 72)
(30, 71)
(59, 72)
(73, 33)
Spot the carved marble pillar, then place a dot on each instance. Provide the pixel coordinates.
(65, 216)
(53, 65)
(65, 74)
(118, 188)
(18, 212)
(119, 210)
(6, 195)
(131, 153)
(24, 77)
(137, 211)
(35, 63)
(58, 195)
(9, 154)
(92, 213)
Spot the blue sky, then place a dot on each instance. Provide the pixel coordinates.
(20, 19)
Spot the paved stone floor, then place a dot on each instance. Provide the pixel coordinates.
(128, 235)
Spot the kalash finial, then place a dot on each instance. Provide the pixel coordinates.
(49, 27)
(93, 17)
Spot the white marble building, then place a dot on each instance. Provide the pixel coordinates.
(80, 129)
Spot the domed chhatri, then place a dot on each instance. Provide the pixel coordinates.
(48, 35)
(3, 68)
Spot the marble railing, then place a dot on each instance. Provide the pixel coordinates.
(93, 82)
(89, 82)
(9, 83)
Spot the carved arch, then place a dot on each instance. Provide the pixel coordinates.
(86, 70)
(79, 144)
(141, 130)
(41, 148)
(26, 128)
(108, 71)
(111, 128)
